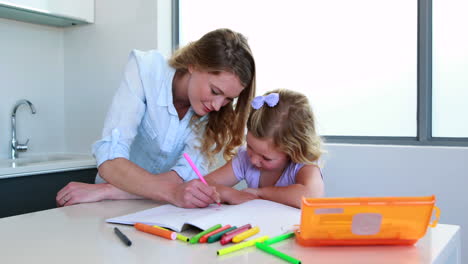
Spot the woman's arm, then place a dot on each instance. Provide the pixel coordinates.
(309, 183)
(167, 187)
(223, 179)
(78, 192)
(129, 181)
(120, 127)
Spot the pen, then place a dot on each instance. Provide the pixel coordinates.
(187, 157)
(197, 237)
(240, 246)
(156, 231)
(278, 238)
(217, 237)
(204, 238)
(226, 238)
(277, 253)
(178, 235)
(246, 234)
(122, 237)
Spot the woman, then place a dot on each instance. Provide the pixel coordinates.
(163, 109)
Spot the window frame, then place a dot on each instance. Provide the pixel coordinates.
(424, 88)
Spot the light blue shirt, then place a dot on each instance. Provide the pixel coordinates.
(142, 124)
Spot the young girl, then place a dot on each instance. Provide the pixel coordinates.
(279, 162)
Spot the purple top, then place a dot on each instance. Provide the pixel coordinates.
(244, 170)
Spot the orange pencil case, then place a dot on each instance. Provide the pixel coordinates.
(365, 220)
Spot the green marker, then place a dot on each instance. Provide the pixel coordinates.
(279, 238)
(277, 253)
(197, 237)
(218, 236)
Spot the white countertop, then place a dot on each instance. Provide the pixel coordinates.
(79, 234)
(34, 164)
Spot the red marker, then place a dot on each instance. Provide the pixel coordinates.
(229, 235)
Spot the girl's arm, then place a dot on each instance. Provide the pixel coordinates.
(223, 179)
(309, 183)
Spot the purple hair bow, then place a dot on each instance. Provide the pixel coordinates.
(270, 99)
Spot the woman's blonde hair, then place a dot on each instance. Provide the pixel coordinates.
(291, 126)
(222, 50)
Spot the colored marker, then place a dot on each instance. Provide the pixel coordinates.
(218, 236)
(204, 238)
(179, 236)
(279, 238)
(226, 238)
(195, 169)
(197, 237)
(277, 253)
(182, 238)
(252, 231)
(156, 231)
(122, 237)
(241, 246)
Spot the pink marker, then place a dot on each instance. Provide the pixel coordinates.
(187, 157)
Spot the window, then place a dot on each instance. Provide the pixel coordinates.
(359, 62)
(450, 68)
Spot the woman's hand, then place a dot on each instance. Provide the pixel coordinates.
(78, 192)
(195, 194)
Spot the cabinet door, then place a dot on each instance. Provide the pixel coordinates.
(26, 194)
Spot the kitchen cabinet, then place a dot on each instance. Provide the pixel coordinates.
(58, 13)
(26, 194)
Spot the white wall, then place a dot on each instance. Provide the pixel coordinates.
(95, 57)
(371, 170)
(31, 67)
(69, 74)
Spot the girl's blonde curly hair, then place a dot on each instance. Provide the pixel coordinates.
(291, 126)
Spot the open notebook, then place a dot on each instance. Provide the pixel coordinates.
(272, 218)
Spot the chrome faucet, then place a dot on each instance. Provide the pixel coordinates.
(15, 146)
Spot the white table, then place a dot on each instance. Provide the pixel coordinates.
(79, 234)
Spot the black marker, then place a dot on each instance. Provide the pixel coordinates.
(122, 237)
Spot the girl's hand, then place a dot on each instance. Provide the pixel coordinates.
(240, 197)
(253, 191)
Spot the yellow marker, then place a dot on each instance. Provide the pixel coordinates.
(182, 238)
(179, 236)
(246, 234)
(241, 245)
